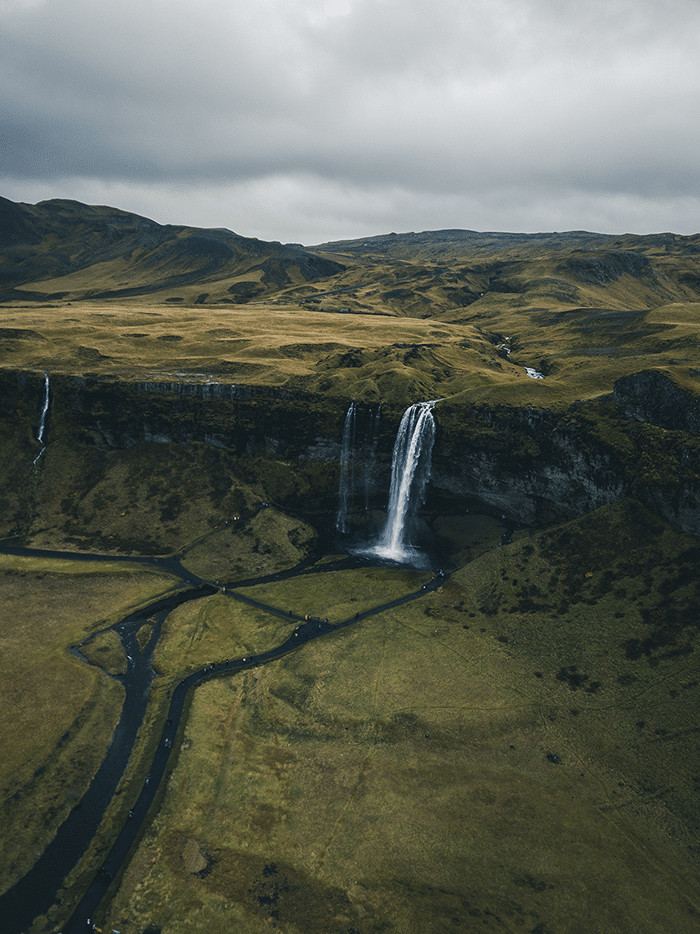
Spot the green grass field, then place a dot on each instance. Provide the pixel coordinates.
(58, 712)
(458, 763)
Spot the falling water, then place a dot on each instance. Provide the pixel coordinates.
(410, 472)
(42, 422)
(44, 410)
(346, 484)
(371, 449)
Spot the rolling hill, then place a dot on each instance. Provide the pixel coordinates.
(66, 250)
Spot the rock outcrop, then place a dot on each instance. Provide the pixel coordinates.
(652, 397)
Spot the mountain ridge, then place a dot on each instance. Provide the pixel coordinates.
(56, 239)
(62, 249)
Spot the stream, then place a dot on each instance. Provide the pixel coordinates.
(37, 891)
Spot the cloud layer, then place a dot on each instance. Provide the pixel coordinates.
(326, 119)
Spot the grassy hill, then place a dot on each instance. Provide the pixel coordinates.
(450, 313)
(66, 250)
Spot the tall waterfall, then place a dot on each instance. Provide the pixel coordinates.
(346, 484)
(410, 472)
(44, 410)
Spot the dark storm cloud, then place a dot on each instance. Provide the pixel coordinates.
(331, 118)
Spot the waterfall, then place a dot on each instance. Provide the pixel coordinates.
(371, 449)
(44, 410)
(346, 484)
(42, 424)
(410, 472)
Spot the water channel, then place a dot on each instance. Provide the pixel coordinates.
(37, 891)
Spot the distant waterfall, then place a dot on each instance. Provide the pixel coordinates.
(41, 433)
(44, 410)
(410, 472)
(346, 484)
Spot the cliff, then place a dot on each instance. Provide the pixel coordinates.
(108, 439)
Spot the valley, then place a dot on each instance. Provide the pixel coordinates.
(500, 735)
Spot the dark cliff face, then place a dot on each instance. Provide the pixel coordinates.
(652, 397)
(534, 466)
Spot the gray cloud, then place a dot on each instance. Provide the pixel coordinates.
(330, 118)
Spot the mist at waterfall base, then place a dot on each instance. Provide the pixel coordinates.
(410, 472)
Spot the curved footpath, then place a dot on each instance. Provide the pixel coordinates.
(37, 891)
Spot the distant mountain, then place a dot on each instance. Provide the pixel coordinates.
(63, 249)
(455, 244)
(438, 273)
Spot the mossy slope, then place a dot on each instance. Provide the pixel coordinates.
(516, 751)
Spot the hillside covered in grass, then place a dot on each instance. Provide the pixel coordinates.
(437, 314)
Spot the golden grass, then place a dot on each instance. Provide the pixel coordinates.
(451, 353)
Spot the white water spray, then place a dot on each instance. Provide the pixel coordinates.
(410, 472)
(346, 484)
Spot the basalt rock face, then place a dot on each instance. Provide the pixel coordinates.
(652, 397)
(534, 466)
(242, 419)
(539, 466)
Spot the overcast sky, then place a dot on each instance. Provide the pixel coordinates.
(314, 120)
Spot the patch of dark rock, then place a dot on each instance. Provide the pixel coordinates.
(211, 862)
(246, 290)
(90, 354)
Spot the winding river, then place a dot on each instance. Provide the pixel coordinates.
(37, 891)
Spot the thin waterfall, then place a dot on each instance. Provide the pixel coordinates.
(346, 483)
(371, 449)
(41, 433)
(410, 472)
(44, 410)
